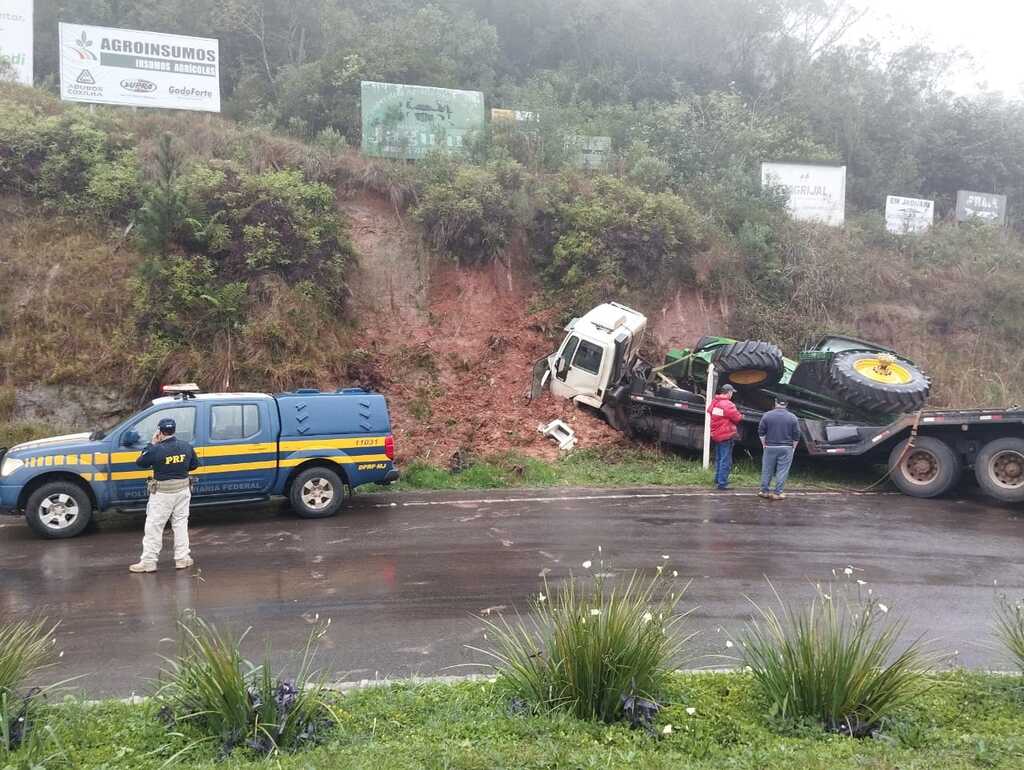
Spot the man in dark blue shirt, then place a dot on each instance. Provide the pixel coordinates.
(779, 430)
(170, 494)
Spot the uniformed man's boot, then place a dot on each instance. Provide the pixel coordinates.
(142, 566)
(183, 563)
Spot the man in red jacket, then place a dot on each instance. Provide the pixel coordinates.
(724, 419)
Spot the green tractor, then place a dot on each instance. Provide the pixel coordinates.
(839, 378)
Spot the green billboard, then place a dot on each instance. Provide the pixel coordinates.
(401, 121)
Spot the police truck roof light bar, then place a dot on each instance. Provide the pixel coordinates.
(182, 390)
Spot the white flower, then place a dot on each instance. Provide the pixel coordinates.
(660, 568)
(666, 730)
(862, 582)
(691, 710)
(595, 613)
(664, 556)
(882, 607)
(848, 571)
(599, 549)
(648, 617)
(675, 574)
(728, 643)
(870, 591)
(586, 564)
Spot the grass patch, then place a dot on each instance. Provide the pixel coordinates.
(12, 433)
(834, 661)
(1009, 628)
(595, 651)
(621, 467)
(967, 721)
(211, 690)
(25, 649)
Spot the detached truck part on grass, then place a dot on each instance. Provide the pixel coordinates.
(854, 400)
(308, 446)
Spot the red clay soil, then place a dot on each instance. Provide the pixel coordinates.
(460, 380)
(453, 348)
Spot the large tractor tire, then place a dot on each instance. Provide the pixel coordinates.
(878, 382)
(749, 364)
(929, 468)
(999, 468)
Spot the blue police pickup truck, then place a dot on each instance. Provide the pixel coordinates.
(310, 446)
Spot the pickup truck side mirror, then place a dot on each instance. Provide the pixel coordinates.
(129, 438)
(561, 366)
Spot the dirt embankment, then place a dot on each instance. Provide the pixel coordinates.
(453, 348)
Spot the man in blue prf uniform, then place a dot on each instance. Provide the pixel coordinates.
(169, 496)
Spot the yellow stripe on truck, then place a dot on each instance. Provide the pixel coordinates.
(236, 449)
(235, 467)
(333, 443)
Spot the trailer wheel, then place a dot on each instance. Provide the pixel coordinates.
(999, 468)
(928, 469)
(749, 364)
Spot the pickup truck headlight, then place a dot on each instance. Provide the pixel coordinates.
(10, 465)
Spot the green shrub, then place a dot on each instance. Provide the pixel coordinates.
(467, 211)
(209, 686)
(586, 649)
(25, 649)
(1009, 628)
(834, 661)
(599, 240)
(71, 161)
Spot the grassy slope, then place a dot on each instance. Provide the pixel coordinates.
(621, 468)
(965, 721)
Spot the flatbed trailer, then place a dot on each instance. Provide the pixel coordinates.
(926, 452)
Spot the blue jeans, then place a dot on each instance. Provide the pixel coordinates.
(723, 462)
(776, 462)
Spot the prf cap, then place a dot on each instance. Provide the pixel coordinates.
(167, 426)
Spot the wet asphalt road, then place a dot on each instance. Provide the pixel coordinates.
(404, 578)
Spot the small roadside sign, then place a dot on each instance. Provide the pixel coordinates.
(908, 215)
(987, 207)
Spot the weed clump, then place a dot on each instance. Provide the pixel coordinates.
(209, 686)
(26, 647)
(834, 661)
(600, 651)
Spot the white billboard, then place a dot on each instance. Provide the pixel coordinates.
(142, 69)
(908, 215)
(816, 193)
(16, 39)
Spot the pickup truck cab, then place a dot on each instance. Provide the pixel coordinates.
(309, 446)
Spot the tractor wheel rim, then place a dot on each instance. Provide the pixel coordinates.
(1006, 469)
(748, 376)
(883, 370)
(920, 467)
(59, 511)
(317, 493)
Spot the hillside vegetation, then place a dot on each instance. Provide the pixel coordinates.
(153, 246)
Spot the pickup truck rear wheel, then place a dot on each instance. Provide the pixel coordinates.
(928, 469)
(59, 509)
(999, 468)
(317, 493)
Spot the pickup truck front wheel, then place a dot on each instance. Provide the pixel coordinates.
(317, 493)
(59, 509)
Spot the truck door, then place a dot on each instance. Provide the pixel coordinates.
(128, 479)
(238, 451)
(578, 370)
